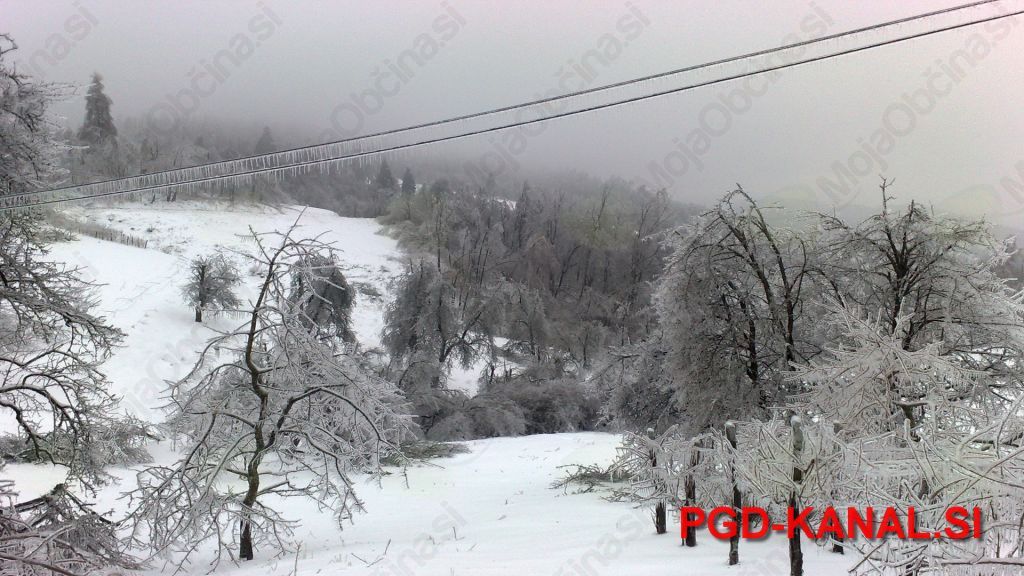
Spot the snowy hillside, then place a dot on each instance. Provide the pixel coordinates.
(141, 292)
(491, 511)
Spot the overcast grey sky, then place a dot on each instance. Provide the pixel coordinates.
(297, 64)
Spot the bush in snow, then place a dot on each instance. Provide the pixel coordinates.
(549, 400)
(493, 415)
(482, 416)
(451, 427)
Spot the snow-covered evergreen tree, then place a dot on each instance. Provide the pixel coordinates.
(408, 192)
(98, 129)
(101, 156)
(408, 183)
(265, 144)
(385, 180)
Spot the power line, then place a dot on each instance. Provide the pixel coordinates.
(317, 149)
(358, 140)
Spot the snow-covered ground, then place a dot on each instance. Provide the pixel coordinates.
(491, 511)
(141, 291)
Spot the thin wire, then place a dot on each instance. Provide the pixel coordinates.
(593, 108)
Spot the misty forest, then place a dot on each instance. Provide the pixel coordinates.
(233, 344)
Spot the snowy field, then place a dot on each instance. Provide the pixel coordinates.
(142, 287)
(491, 511)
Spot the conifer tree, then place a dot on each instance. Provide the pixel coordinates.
(408, 183)
(98, 129)
(265, 145)
(408, 191)
(385, 180)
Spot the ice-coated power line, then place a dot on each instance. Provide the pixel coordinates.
(300, 160)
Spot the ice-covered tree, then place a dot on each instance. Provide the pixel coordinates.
(430, 327)
(638, 388)
(662, 469)
(321, 289)
(733, 306)
(926, 374)
(916, 401)
(932, 278)
(270, 411)
(52, 345)
(51, 342)
(429, 315)
(893, 344)
(918, 428)
(212, 281)
(528, 328)
(30, 156)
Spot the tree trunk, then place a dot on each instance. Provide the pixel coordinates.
(837, 546)
(796, 555)
(199, 314)
(660, 520)
(691, 498)
(737, 498)
(245, 542)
